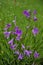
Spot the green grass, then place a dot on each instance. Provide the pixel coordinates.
(11, 8)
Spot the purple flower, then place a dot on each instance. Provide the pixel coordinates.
(18, 32)
(35, 31)
(11, 42)
(34, 12)
(20, 57)
(23, 47)
(7, 26)
(16, 52)
(26, 13)
(35, 18)
(28, 53)
(7, 34)
(13, 47)
(36, 55)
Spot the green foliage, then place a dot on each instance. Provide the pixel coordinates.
(10, 8)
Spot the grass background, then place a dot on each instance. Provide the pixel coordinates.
(11, 8)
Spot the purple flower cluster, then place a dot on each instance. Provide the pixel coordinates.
(34, 30)
(12, 45)
(27, 14)
(17, 35)
(27, 53)
(16, 31)
(8, 33)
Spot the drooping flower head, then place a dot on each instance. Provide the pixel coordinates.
(35, 31)
(23, 47)
(7, 34)
(11, 42)
(26, 13)
(36, 54)
(27, 52)
(20, 57)
(13, 47)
